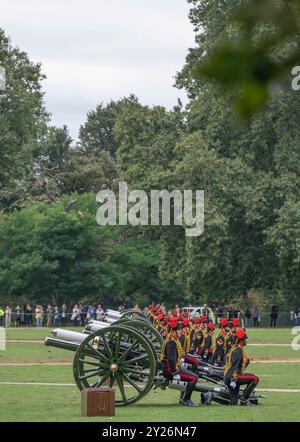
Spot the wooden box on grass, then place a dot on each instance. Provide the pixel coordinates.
(98, 402)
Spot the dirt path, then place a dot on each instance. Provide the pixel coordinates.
(22, 341)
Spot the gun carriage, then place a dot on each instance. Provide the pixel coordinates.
(123, 352)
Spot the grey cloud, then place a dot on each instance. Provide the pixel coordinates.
(97, 50)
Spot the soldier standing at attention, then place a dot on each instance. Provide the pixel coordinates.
(171, 353)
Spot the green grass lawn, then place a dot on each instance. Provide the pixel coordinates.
(32, 333)
(277, 375)
(266, 352)
(275, 335)
(43, 403)
(37, 353)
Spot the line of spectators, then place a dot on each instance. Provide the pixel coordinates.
(252, 317)
(29, 316)
(79, 315)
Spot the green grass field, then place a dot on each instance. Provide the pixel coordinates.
(62, 403)
(270, 374)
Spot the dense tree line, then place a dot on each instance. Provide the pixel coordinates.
(50, 244)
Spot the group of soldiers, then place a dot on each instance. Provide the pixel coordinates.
(193, 345)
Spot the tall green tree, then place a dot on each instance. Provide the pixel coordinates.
(22, 115)
(97, 134)
(59, 253)
(261, 152)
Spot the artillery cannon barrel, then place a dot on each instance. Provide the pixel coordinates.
(73, 345)
(97, 325)
(58, 343)
(200, 387)
(111, 320)
(100, 323)
(113, 314)
(94, 327)
(68, 335)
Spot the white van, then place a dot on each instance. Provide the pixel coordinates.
(198, 311)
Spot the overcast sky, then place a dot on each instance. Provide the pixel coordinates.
(97, 50)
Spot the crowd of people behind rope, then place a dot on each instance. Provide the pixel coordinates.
(79, 315)
(193, 345)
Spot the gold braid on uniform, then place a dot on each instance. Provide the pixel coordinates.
(227, 336)
(214, 343)
(187, 341)
(245, 360)
(228, 360)
(222, 334)
(204, 334)
(180, 351)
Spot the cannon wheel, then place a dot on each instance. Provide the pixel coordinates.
(119, 356)
(146, 328)
(134, 315)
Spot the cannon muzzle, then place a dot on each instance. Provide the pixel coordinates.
(58, 343)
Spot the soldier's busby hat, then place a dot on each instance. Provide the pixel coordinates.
(185, 322)
(240, 334)
(223, 322)
(235, 322)
(173, 324)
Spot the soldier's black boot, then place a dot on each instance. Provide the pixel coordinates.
(181, 396)
(185, 399)
(209, 397)
(248, 390)
(246, 403)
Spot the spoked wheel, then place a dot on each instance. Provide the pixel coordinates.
(147, 330)
(119, 357)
